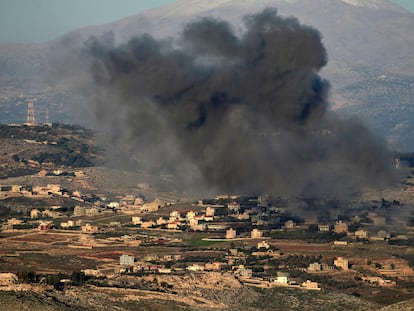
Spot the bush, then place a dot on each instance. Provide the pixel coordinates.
(27, 276)
(78, 278)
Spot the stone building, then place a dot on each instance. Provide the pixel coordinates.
(341, 263)
(256, 234)
(231, 234)
(341, 227)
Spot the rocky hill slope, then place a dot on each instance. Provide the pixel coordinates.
(229, 299)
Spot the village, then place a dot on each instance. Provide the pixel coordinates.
(67, 227)
(127, 240)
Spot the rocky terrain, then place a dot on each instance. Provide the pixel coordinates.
(232, 299)
(403, 306)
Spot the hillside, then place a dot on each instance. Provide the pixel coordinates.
(205, 299)
(401, 306)
(26, 301)
(28, 149)
(366, 41)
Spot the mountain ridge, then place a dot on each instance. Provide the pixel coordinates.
(364, 39)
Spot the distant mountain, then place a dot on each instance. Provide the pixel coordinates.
(369, 43)
(357, 33)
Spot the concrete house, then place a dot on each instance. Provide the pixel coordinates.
(256, 234)
(341, 263)
(231, 234)
(88, 228)
(126, 260)
(282, 278)
(341, 227)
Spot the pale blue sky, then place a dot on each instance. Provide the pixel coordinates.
(407, 4)
(43, 20)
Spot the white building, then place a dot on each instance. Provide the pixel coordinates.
(282, 278)
(195, 268)
(113, 205)
(324, 227)
(126, 260)
(68, 224)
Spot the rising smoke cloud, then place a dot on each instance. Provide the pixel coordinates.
(234, 112)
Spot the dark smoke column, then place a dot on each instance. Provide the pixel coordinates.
(240, 113)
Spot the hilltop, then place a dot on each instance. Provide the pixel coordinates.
(29, 149)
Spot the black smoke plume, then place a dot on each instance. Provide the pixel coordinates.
(234, 112)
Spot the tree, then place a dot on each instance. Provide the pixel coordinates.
(27, 277)
(59, 286)
(52, 279)
(78, 278)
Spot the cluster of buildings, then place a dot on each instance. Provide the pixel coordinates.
(196, 221)
(224, 216)
(31, 191)
(130, 264)
(281, 280)
(257, 211)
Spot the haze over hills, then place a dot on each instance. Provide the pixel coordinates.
(369, 46)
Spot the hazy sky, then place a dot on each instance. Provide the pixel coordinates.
(43, 20)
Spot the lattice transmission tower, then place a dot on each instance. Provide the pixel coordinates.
(30, 120)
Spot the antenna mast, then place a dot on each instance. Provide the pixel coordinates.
(30, 120)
